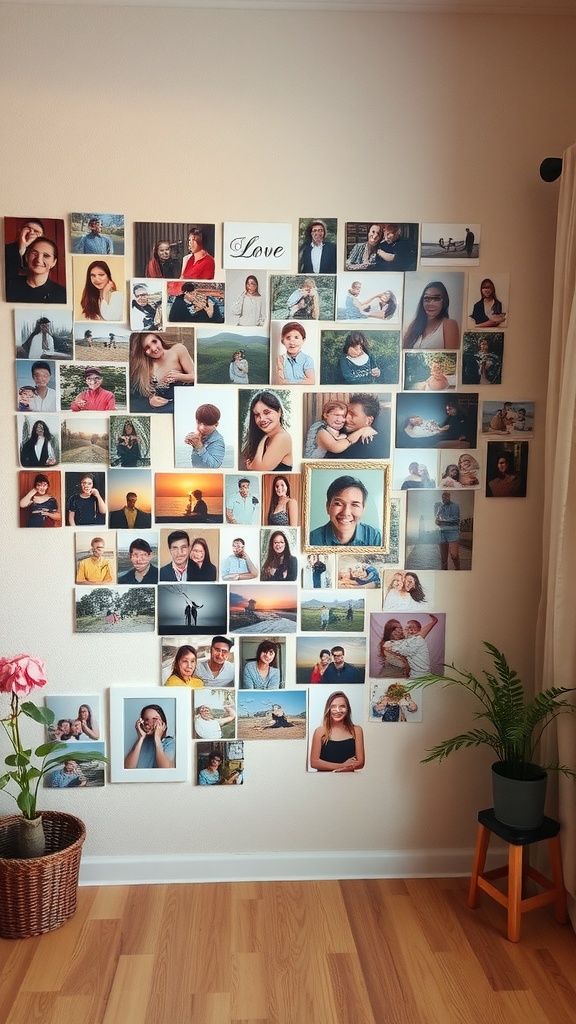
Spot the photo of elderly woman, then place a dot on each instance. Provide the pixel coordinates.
(220, 764)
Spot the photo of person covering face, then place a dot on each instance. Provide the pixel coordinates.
(150, 730)
(204, 429)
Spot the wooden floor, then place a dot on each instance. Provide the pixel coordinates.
(351, 952)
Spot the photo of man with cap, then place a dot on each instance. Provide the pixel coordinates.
(94, 398)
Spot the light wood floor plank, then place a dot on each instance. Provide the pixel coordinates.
(110, 902)
(131, 988)
(375, 951)
(56, 950)
(32, 1008)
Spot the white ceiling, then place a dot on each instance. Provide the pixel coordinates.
(518, 7)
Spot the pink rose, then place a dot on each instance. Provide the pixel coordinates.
(21, 674)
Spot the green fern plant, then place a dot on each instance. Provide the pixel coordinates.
(515, 724)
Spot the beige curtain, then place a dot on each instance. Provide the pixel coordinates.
(556, 654)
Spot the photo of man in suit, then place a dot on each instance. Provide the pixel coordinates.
(130, 517)
(318, 255)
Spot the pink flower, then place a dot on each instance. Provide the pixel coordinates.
(21, 674)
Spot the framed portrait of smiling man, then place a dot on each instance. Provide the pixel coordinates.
(346, 505)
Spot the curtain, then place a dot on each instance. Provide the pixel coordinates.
(556, 632)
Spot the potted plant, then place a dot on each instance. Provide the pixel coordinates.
(513, 726)
(38, 872)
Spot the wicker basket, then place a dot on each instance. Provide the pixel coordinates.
(39, 894)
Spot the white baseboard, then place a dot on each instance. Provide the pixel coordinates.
(270, 867)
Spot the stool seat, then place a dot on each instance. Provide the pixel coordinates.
(518, 870)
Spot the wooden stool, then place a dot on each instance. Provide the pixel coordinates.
(517, 871)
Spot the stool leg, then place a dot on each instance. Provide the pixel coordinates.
(555, 855)
(514, 891)
(482, 840)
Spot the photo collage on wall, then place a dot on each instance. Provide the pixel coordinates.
(311, 380)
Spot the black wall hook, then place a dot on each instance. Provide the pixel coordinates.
(551, 168)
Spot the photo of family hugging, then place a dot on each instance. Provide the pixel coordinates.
(436, 421)
(405, 645)
(76, 724)
(347, 425)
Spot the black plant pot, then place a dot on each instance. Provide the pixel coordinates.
(519, 803)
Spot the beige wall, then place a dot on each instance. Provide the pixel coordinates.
(175, 114)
